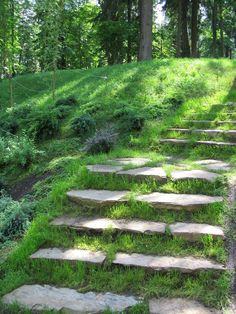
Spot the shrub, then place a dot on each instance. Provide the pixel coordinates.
(44, 123)
(20, 151)
(102, 142)
(69, 101)
(14, 217)
(131, 119)
(83, 124)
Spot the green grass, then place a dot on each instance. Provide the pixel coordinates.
(168, 91)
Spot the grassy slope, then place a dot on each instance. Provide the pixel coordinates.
(148, 86)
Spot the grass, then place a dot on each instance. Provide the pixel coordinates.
(168, 91)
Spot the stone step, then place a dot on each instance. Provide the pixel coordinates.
(135, 161)
(42, 297)
(210, 121)
(178, 201)
(156, 199)
(167, 263)
(194, 174)
(101, 224)
(187, 142)
(215, 165)
(156, 173)
(99, 197)
(228, 133)
(188, 231)
(178, 306)
(158, 263)
(194, 232)
(70, 255)
(228, 104)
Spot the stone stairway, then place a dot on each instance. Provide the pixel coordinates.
(37, 297)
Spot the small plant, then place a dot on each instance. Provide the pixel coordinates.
(14, 217)
(83, 124)
(131, 119)
(69, 101)
(102, 142)
(19, 151)
(44, 123)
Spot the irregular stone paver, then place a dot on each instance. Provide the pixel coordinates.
(102, 197)
(184, 142)
(178, 201)
(104, 169)
(70, 255)
(38, 298)
(193, 231)
(210, 132)
(213, 164)
(156, 173)
(210, 121)
(166, 263)
(156, 199)
(136, 161)
(178, 306)
(100, 224)
(194, 174)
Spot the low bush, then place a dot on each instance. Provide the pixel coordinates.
(44, 123)
(102, 141)
(83, 125)
(18, 150)
(131, 119)
(68, 101)
(14, 217)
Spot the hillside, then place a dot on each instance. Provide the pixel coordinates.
(148, 108)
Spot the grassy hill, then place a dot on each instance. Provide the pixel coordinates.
(140, 101)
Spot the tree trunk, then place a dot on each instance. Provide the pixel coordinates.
(129, 9)
(145, 44)
(194, 30)
(214, 28)
(184, 36)
(179, 30)
(221, 26)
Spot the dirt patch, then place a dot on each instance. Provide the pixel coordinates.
(26, 185)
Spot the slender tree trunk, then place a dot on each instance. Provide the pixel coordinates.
(129, 53)
(194, 30)
(179, 30)
(185, 47)
(221, 26)
(145, 45)
(214, 28)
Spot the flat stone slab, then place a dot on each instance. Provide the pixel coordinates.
(210, 121)
(101, 224)
(167, 263)
(70, 255)
(178, 306)
(104, 169)
(210, 132)
(214, 165)
(193, 231)
(178, 201)
(41, 297)
(156, 173)
(136, 161)
(184, 142)
(104, 197)
(194, 174)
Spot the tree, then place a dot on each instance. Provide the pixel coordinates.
(146, 21)
(194, 28)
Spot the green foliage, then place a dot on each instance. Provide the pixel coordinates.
(68, 101)
(18, 150)
(44, 123)
(83, 125)
(14, 217)
(102, 141)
